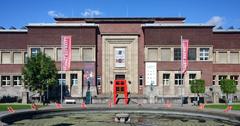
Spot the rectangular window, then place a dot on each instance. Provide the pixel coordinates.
(165, 54)
(62, 80)
(192, 77)
(75, 54)
(49, 52)
(152, 54)
(17, 80)
(214, 80)
(177, 53)
(204, 54)
(87, 54)
(166, 79)
(178, 79)
(234, 77)
(74, 79)
(5, 80)
(35, 51)
(192, 54)
(17, 58)
(59, 54)
(222, 57)
(234, 57)
(6, 58)
(221, 77)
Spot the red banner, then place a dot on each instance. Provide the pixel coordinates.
(66, 42)
(184, 57)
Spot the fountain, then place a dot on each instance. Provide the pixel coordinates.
(118, 116)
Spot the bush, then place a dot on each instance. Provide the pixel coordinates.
(9, 99)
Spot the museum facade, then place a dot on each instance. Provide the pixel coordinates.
(146, 52)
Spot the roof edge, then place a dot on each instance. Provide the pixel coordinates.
(62, 25)
(119, 19)
(177, 25)
(13, 30)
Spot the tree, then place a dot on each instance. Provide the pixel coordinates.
(197, 86)
(228, 86)
(39, 73)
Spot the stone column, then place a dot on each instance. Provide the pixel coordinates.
(228, 57)
(11, 80)
(197, 54)
(25, 97)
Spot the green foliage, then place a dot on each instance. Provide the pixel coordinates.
(197, 86)
(222, 106)
(39, 73)
(228, 86)
(16, 106)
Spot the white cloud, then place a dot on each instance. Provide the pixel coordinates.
(91, 13)
(53, 13)
(216, 20)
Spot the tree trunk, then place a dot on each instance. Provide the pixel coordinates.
(227, 98)
(40, 93)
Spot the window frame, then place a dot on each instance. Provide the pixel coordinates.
(177, 54)
(195, 54)
(178, 78)
(18, 81)
(166, 81)
(232, 77)
(191, 79)
(203, 54)
(74, 81)
(5, 81)
(37, 50)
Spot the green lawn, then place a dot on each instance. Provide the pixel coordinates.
(15, 106)
(222, 106)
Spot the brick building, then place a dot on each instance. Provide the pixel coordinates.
(107, 49)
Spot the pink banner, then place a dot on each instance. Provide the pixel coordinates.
(184, 58)
(66, 42)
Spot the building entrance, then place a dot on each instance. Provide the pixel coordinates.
(120, 91)
(119, 62)
(120, 77)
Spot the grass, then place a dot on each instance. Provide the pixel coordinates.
(15, 106)
(222, 106)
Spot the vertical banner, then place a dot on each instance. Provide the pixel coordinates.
(119, 57)
(184, 56)
(66, 43)
(151, 73)
(89, 74)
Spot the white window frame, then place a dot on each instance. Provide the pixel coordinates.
(18, 81)
(191, 79)
(221, 77)
(74, 80)
(7, 82)
(178, 80)
(62, 80)
(235, 78)
(34, 53)
(166, 81)
(204, 54)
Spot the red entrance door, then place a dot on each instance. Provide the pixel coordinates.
(119, 88)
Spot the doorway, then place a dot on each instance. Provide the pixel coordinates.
(120, 77)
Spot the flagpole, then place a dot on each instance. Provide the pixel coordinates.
(181, 74)
(61, 70)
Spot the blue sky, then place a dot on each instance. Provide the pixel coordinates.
(19, 13)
